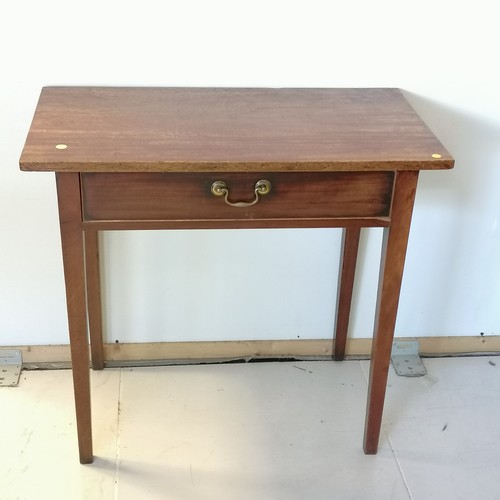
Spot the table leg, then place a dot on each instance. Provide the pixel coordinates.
(348, 257)
(70, 216)
(94, 298)
(391, 273)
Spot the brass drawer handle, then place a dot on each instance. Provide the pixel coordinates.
(262, 187)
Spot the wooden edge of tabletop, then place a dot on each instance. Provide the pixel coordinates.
(27, 165)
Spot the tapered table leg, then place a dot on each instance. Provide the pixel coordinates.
(348, 258)
(94, 298)
(70, 216)
(391, 273)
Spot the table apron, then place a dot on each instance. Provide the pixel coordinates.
(133, 225)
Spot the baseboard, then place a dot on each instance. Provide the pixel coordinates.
(142, 353)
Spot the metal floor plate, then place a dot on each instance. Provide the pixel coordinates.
(11, 363)
(406, 360)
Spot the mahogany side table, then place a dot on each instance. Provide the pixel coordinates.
(168, 158)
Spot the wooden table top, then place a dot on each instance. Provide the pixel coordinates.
(117, 129)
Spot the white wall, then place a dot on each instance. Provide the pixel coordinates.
(258, 284)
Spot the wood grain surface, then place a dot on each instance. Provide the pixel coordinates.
(228, 129)
(187, 196)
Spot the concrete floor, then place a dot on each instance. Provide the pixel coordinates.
(257, 431)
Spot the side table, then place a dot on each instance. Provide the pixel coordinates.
(169, 158)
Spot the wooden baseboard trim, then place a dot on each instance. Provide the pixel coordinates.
(59, 355)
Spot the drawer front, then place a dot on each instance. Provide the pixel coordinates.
(188, 196)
